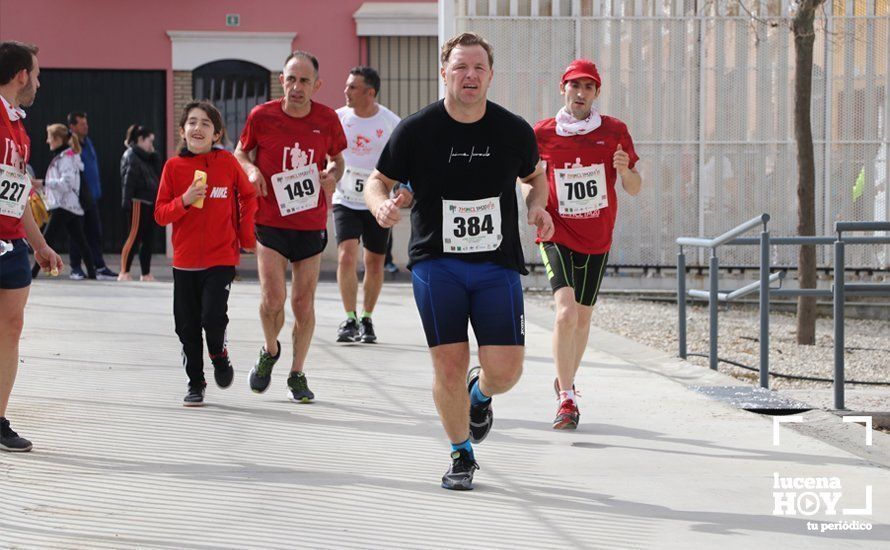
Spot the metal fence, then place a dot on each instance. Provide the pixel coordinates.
(706, 89)
(408, 67)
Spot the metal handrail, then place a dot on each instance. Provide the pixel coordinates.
(838, 290)
(841, 288)
(713, 293)
(763, 219)
(845, 227)
(741, 241)
(738, 293)
(812, 240)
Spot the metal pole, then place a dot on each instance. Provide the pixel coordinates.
(827, 121)
(839, 323)
(699, 121)
(712, 307)
(576, 16)
(446, 27)
(681, 301)
(764, 309)
(882, 212)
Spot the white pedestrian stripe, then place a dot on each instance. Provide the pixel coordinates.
(778, 420)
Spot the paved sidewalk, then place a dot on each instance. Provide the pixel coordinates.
(119, 463)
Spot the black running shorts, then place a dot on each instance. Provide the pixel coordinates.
(293, 244)
(359, 224)
(582, 272)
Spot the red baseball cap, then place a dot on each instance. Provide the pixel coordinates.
(581, 68)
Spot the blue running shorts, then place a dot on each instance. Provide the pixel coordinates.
(15, 267)
(449, 291)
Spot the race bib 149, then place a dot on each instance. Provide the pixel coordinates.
(296, 190)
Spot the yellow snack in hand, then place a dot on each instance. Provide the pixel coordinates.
(200, 180)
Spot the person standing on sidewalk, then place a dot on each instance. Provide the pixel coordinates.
(205, 194)
(64, 191)
(19, 80)
(462, 156)
(367, 126)
(140, 174)
(585, 153)
(291, 149)
(90, 183)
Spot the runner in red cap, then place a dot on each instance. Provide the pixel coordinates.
(585, 153)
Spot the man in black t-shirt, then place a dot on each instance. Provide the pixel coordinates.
(463, 156)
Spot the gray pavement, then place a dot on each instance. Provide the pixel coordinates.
(119, 463)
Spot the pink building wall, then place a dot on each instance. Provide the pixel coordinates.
(127, 34)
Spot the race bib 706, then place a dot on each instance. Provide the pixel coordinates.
(581, 191)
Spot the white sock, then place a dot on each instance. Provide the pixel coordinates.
(564, 395)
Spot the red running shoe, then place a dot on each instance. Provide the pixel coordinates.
(567, 416)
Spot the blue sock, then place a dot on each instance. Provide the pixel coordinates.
(462, 446)
(476, 395)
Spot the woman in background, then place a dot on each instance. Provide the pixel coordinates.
(62, 186)
(140, 174)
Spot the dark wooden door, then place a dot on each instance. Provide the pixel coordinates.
(112, 100)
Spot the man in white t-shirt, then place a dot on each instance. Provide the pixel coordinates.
(368, 126)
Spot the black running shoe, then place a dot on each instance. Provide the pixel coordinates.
(223, 372)
(261, 373)
(11, 441)
(460, 476)
(481, 417)
(105, 274)
(348, 331)
(194, 398)
(298, 388)
(366, 331)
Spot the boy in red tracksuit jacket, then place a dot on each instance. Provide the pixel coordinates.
(205, 194)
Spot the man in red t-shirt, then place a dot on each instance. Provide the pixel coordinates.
(291, 149)
(585, 153)
(19, 73)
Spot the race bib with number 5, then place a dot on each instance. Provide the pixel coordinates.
(296, 190)
(471, 226)
(15, 189)
(582, 190)
(352, 184)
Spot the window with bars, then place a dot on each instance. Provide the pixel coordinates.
(408, 70)
(235, 87)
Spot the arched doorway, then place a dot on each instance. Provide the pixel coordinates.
(235, 87)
